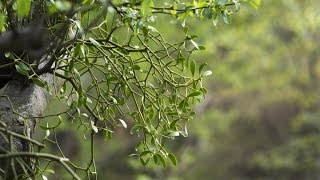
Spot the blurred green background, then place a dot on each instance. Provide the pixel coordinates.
(261, 117)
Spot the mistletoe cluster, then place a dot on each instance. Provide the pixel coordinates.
(113, 67)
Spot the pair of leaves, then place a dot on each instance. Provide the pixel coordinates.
(157, 158)
(201, 72)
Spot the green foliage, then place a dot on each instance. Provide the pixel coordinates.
(117, 68)
(139, 75)
(2, 21)
(23, 7)
(260, 119)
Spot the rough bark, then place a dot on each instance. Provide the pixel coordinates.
(21, 102)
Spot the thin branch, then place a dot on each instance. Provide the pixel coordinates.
(21, 137)
(58, 159)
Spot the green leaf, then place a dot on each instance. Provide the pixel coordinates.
(222, 2)
(143, 162)
(215, 21)
(207, 12)
(155, 159)
(192, 67)
(186, 29)
(21, 71)
(173, 124)
(195, 93)
(85, 115)
(255, 3)
(139, 146)
(173, 159)
(135, 128)
(50, 171)
(145, 31)
(153, 29)
(237, 5)
(123, 51)
(184, 134)
(94, 42)
(195, 44)
(78, 24)
(52, 9)
(94, 128)
(182, 104)
(136, 67)
(202, 48)
(226, 17)
(76, 73)
(109, 134)
(62, 5)
(76, 51)
(89, 100)
(194, 36)
(123, 123)
(87, 2)
(161, 158)
(173, 12)
(3, 20)
(44, 177)
(145, 153)
(175, 134)
(202, 66)
(82, 96)
(206, 73)
(63, 88)
(23, 7)
(39, 82)
(23, 66)
(146, 7)
(203, 90)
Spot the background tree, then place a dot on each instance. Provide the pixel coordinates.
(108, 66)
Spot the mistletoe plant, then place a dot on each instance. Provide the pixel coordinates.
(108, 61)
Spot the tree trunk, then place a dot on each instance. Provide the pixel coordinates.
(20, 105)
